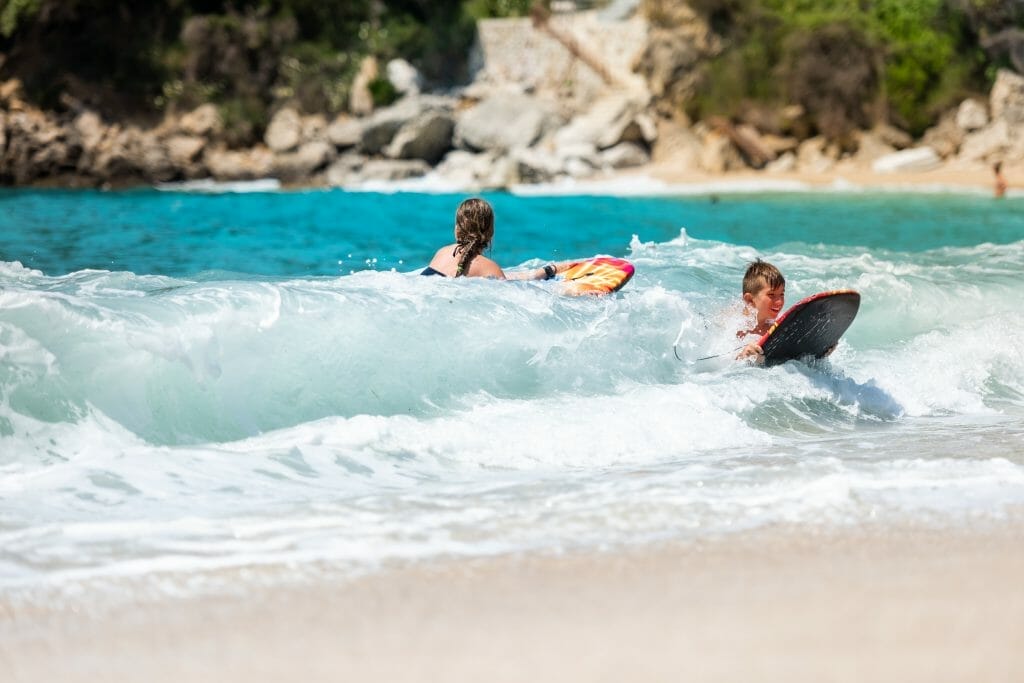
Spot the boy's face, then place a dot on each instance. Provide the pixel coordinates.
(767, 302)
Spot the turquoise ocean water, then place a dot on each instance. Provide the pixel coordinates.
(199, 382)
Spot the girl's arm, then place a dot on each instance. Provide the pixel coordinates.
(543, 273)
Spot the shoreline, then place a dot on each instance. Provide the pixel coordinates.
(660, 180)
(797, 604)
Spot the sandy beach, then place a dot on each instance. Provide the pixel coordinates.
(791, 605)
(950, 176)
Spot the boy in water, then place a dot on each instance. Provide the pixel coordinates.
(764, 295)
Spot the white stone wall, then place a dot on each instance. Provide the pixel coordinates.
(511, 52)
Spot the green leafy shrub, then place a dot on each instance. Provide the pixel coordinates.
(382, 91)
(847, 62)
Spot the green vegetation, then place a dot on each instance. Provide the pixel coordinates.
(846, 63)
(851, 63)
(247, 56)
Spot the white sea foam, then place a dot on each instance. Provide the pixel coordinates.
(153, 424)
(208, 186)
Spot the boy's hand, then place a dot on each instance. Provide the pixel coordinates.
(751, 350)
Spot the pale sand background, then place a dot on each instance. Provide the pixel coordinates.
(950, 176)
(795, 605)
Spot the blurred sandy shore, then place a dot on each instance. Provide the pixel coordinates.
(885, 605)
(949, 177)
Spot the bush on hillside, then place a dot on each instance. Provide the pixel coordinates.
(900, 61)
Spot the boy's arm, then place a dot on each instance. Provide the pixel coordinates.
(752, 350)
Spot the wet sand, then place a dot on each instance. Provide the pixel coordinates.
(794, 605)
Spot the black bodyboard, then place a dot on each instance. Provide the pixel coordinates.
(810, 327)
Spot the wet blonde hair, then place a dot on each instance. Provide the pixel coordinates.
(474, 231)
(760, 275)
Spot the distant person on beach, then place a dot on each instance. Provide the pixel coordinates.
(474, 232)
(997, 168)
(764, 295)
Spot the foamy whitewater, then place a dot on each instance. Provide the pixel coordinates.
(192, 382)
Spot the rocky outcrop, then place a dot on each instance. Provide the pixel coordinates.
(510, 126)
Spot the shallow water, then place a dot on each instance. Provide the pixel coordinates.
(190, 382)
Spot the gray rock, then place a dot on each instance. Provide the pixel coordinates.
(989, 143)
(870, 147)
(345, 132)
(971, 115)
(90, 129)
(381, 128)
(249, 164)
(404, 77)
(285, 131)
(785, 163)
(891, 135)
(946, 136)
(611, 120)
(815, 155)
(184, 149)
(504, 122)
(203, 121)
(393, 169)
(345, 170)
(426, 137)
(907, 160)
(156, 164)
(360, 101)
(304, 162)
(536, 166)
(114, 158)
(625, 155)
(1006, 99)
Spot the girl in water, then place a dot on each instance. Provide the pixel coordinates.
(474, 232)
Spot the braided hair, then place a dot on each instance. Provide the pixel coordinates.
(474, 231)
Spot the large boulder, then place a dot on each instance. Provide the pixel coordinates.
(184, 149)
(1006, 99)
(426, 137)
(718, 154)
(285, 131)
(380, 129)
(625, 155)
(404, 77)
(535, 165)
(971, 115)
(870, 147)
(203, 121)
(611, 120)
(156, 160)
(987, 144)
(114, 158)
(360, 100)
(249, 164)
(947, 135)
(90, 129)
(345, 132)
(504, 122)
(816, 155)
(907, 160)
(484, 171)
(302, 163)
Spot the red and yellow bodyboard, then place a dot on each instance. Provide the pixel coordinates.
(599, 275)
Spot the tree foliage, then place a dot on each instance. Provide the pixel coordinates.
(851, 62)
(248, 56)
